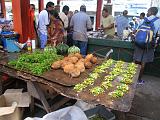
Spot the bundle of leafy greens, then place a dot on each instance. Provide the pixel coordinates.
(37, 62)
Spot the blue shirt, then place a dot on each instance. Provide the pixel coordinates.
(122, 22)
(156, 23)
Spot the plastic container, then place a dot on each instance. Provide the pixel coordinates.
(101, 111)
(29, 44)
(33, 44)
(8, 39)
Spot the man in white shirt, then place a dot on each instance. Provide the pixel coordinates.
(43, 22)
(63, 16)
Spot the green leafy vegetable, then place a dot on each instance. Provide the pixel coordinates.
(37, 62)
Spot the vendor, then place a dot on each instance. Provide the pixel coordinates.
(2, 18)
(107, 23)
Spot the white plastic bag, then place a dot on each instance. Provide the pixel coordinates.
(68, 113)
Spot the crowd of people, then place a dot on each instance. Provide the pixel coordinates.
(53, 26)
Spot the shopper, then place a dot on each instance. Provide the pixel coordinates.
(43, 22)
(64, 17)
(80, 23)
(55, 29)
(107, 23)
(142, 16)
(143, 56)
(134, 24)
(122, 24)
(69, 30)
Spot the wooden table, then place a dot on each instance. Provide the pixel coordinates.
(123, 104)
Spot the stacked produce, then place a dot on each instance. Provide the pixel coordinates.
(74, 64)
(37, 62)
(113, 72)
(50, 48)
(73, 50)
(62, 49)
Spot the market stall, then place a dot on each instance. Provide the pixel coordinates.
(107, 83)
(123, 50)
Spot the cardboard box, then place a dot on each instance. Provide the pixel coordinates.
(11, 103)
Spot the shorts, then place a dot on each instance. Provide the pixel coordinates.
(143, 55)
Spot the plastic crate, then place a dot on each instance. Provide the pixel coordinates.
(8, 40)
(101, 111)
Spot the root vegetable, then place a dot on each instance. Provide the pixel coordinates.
(56, 65)
(68, 68)
(89, 57)
(73, 60)
(78, 55)
(94, 60)
(75, 72)
(88, 65)
(80, 66)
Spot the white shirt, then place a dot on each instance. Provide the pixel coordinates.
(2, 19)
(64, 18)
(43, 22)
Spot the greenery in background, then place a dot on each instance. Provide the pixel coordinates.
(37, 62)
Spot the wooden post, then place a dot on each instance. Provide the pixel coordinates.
(21, 18)
(41, 5)
(98, 13)
(3, 8)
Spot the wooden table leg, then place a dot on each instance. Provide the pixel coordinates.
(35, 91)
(32, 106)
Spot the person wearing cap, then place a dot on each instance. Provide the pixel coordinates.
(107, 23)
(122, 24)
(81, 22)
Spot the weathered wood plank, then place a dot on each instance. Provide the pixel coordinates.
(122, 104)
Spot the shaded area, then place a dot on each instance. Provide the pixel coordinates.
(146, 103)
